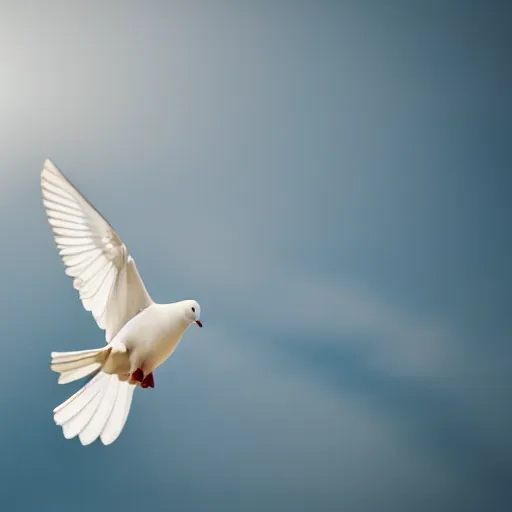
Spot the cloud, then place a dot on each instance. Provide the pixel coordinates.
(285, 433)
(255, 286)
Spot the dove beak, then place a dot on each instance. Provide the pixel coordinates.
(199, 323)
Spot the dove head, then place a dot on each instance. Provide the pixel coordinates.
(192, 311)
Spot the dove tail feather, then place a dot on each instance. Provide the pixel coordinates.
(100, 408)
(78, 373)
(64, 357)
(73, 365)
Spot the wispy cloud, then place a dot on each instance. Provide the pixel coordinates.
(288, 418)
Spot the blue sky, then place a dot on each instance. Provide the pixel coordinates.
(331, 181)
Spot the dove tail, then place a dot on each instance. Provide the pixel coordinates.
(100, 408)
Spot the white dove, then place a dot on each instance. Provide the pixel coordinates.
(140, 334)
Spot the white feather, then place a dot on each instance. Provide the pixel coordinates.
(78, 422)
(79, 373)
(119, 413)
(74, 404)
(98, 421)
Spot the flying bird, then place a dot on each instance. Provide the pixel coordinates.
(140, 334)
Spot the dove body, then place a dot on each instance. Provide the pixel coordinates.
(148, 339)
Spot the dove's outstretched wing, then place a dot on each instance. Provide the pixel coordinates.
(95, 257)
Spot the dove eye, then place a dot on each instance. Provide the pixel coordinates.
(193, 309)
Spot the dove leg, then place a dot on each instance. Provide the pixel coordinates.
(138, 375)
(149, 381)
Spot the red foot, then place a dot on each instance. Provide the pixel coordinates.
(138, 375)
(149, 381)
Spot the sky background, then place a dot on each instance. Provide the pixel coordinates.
(331, 181)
